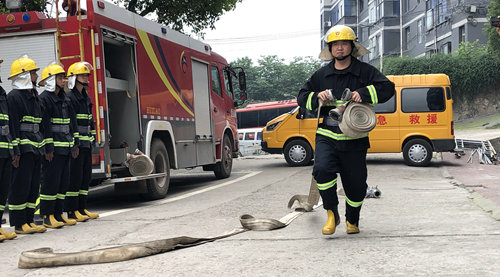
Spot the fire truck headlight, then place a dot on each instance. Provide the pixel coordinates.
(272, 126)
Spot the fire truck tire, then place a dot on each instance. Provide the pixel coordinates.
(157, 188)
(417, 152)
(298, 153)
(223, 168)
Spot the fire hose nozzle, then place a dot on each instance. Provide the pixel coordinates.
(373, 192)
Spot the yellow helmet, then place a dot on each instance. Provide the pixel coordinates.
(79, 68)
(339, 32)
(51, 70)
(22, 65)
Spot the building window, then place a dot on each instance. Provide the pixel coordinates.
(335, 15)
(461, 34)
(361, 5)
(420, 31)
(406, 6)
(350, 7)
(429, 19)
(407, 38)
(445, 48)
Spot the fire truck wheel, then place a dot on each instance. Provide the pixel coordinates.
(298, 153)
(157, 188)
(417, 152)
(223, 168)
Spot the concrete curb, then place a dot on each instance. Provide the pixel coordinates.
(481, 201)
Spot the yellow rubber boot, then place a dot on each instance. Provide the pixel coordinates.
(66, 221)
(24, 229)
(2, 238)
(331, 223)
(76, 215)
(90, 215)
(7, 235)
(351, 228)
(50, 221)
(38, 228)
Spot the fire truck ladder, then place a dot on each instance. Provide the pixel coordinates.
(60, 34)
(483, 148)
(81, 56)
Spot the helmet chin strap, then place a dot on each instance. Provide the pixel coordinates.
(83, 84)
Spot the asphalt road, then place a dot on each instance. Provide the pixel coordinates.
(422, 225)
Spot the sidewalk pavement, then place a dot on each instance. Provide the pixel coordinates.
(481, 180)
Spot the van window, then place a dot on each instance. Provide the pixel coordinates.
(250, 136)
(387, 107)
(421, 100)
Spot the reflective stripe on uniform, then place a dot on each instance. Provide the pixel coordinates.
(335, 136)
(327, 185)
(31, 119)
(47, 197)
(352, 203)
(2, 207)
(17, 207)
(71, 193)
(6, 145)
(4, 116)
(84, 192)
(309, 101)
(61, 196)
(34, 143)
(373, 94)
(56, 120)
(83, 116)
(30, 205)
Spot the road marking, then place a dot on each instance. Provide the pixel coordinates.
(183, 196)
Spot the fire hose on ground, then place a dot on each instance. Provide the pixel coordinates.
(356, 118)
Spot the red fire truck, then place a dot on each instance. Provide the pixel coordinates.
(153, 88)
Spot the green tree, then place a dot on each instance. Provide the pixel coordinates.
(177, 14)
(491, 33)
(272, 79)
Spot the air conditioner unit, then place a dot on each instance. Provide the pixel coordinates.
(472, 9)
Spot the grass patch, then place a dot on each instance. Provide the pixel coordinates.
(478, 123)
(496, 126)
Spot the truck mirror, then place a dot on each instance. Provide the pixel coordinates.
(243, 81)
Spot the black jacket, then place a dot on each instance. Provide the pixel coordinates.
(8, 146)
(59, 123)
(372, 86)
(25, 108)
(82, 107)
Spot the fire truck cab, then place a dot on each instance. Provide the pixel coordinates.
(152, 89)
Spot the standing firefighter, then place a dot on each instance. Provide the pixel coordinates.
(59, 131)
(26, 116)
(9, 156)
(81, 167)
(337, 153)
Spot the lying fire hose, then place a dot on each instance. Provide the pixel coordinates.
(45, 257)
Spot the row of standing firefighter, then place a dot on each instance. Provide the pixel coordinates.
(53, 131)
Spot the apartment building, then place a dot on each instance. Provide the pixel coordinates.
(412, 28)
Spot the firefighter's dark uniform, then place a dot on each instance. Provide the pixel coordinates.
(336, 152)
(59, 132)
(8, 148)
(26, 116)
(81, 167)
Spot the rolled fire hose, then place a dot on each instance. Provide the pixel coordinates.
(358, 120)
(140, 165)
(45, 257)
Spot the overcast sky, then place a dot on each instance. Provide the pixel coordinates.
(287, 28)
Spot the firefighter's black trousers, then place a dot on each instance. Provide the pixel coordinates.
(24, 189)
(5, 174)
(80, 176)
(351, 165)
(55, 184)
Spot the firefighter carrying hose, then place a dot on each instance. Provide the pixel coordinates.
(26, 116)
(60, 130)
(9, 156)
(337, 153)
(81, 167)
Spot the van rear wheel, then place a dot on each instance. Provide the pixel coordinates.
(298, 153)
(417, 152)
